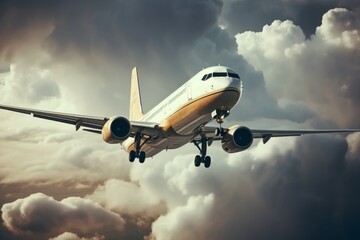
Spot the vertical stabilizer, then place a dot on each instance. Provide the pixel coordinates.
(135, 111)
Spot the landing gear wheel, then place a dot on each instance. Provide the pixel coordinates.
(207, 161)
(132, 156)
(142, 157)
(202, 158)
(197, 161)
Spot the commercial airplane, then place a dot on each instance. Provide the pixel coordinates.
(179, 119)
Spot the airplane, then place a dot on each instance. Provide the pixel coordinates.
(179, 119)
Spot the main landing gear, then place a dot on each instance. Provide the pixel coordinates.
(202, 158)
(137, 153)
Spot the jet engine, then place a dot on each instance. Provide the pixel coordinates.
(116, 130)
(237, 139)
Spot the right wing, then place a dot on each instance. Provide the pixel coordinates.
(92, 124)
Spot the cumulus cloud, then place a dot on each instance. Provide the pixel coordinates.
(250, 15)
(129, 198)
(43, 215)
(73, 236)
(321, 71)
(78, 59)
(274, 187)
(181, 222)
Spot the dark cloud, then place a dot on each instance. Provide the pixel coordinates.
(136, 30)
(242, 16)
(305, 189)
(136, 34)
(308, 191)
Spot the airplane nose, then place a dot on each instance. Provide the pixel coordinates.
(235, 83)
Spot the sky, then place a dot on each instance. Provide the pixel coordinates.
(299, 62)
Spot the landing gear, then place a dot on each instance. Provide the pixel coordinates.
(137, 153)
(219, 115)
(132, 156)
(202, 158)
(197, 161)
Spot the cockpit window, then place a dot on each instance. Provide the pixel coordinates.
(220, 74)
(233, 75)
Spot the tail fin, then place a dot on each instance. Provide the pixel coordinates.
(135, 111)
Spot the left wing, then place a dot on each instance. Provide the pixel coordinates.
(92, 124)
(266, 134)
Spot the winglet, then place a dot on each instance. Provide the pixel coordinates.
(135, 111)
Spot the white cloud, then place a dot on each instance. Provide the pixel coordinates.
(73, 236)
(321, 71)
(354, 146)
(128, 198)
(184, 222)
(40, 214)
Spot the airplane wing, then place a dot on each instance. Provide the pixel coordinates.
(266, 134)
(92, 124)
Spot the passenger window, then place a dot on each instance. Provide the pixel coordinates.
(204, 77)
(209, 76)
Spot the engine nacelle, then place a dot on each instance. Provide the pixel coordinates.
(237, 139)
(116, 130)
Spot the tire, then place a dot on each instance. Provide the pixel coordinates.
(132, 156)
(142, 157)
(207, 161)
(197, 161)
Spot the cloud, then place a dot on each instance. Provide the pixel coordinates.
(241, 16)
(42, 215)
(78, 58)
(288, 189)
(138, 201)
(72, 236)
(181, 223)
(84, 161)
(322, 71)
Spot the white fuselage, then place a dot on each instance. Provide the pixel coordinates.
(191, 106)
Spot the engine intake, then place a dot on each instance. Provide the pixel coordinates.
(116, 130)
(237, 139)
